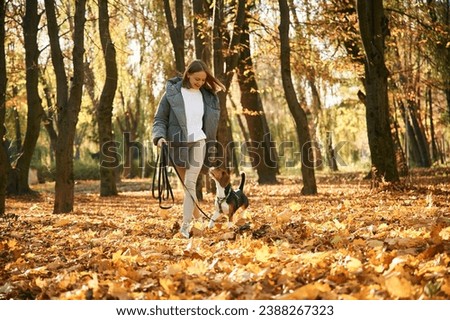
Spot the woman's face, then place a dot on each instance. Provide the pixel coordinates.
(197, 79)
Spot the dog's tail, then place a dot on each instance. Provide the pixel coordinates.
(241, 186)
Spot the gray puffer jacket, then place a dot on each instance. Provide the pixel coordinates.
(170, 121)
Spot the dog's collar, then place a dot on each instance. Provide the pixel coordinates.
(227, 194)
(228, 190)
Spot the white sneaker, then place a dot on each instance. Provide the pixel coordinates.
(184, 230)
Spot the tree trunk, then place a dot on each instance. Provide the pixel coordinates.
(446, 58)
(265, 160)
(310, 76)
(299, 115)
(411, 144)
(436, 151)
(435, 156)
(331, 156)
(35, 110)
(129, 131)
(202, 43)
(105, 106)
(13, 151)
(419, 135)
(439, 13)
(373, 25)
(447, 95)
(224, 136)
(68, 103)
(402, 164)
(176, 32)
(223, 131)
(3, 155)
(90, 85)
(316, 108)
(49, 116)
(202, 40)
(18, 133)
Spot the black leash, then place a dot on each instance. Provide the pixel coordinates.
(161, 188)
(161, 179)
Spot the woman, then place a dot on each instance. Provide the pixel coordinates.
(187, 119)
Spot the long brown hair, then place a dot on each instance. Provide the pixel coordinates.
(211, 83)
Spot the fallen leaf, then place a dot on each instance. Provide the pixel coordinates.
(262, 254)
(353, 265)
(445, 287)
(62, 222)
(167, 285)
(374, 243)
(307, 292)
(398, 287)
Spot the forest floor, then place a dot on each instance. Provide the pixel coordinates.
(350, 241)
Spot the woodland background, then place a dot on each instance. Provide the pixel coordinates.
(322, 97)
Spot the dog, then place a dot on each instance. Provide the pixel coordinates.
(227, 201)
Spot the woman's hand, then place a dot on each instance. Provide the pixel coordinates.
(161, 141)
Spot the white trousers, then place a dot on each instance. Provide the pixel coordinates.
(196, 152)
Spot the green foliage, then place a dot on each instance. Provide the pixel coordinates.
(45, 173)
(86, 170)
(347, 124)
(82, 170)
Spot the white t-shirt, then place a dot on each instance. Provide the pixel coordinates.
(193, 103)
